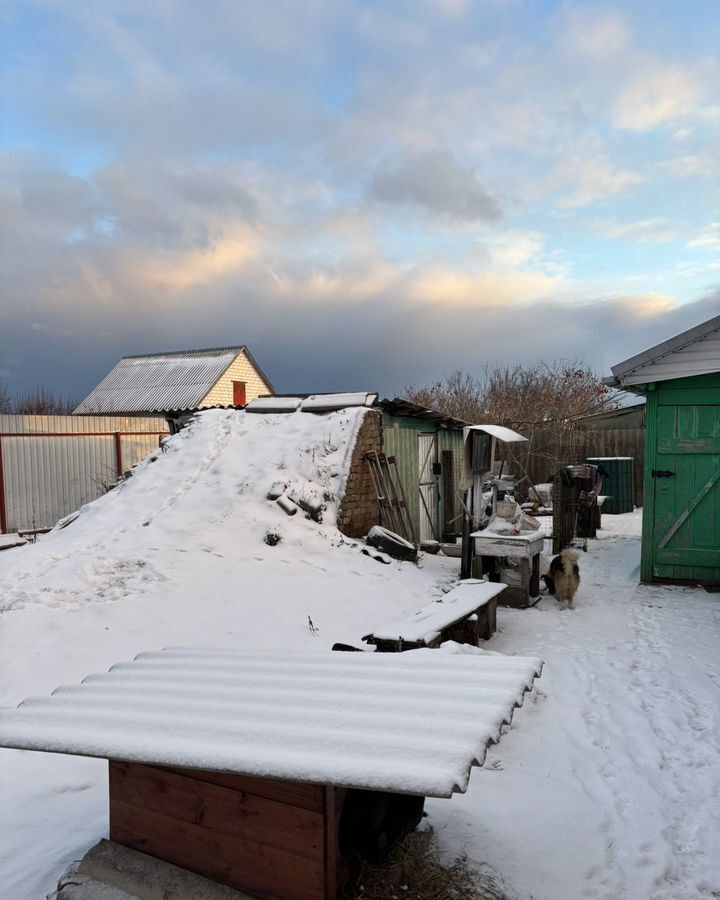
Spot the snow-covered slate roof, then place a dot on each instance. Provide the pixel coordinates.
(428, 621)
(411, 722)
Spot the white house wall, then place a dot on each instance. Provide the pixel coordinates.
(241, 369)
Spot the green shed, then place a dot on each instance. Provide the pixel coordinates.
(428, 449)
(680, 379)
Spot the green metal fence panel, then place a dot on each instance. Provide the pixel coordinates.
(618, 483)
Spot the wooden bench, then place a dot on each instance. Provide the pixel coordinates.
(466, 614)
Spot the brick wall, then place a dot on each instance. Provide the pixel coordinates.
(359, 509)
(240, 370)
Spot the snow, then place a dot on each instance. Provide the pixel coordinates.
(455, 605)
(274, 404)
(7, 541)
(606, 786)
(338, 401)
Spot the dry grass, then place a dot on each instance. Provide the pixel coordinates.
(413, 871)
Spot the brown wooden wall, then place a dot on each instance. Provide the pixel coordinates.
(273, 839)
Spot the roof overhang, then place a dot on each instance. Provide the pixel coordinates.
(506, 435)
(407, 409)
(627, 375)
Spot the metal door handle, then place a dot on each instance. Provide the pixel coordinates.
(662, 473)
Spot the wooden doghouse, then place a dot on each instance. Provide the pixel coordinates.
(268, 772)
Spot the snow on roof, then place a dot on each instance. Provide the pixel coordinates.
(274, 405)
(410, 723)
(328, 402)
(160, 382)
(498, 431)
(455, 605)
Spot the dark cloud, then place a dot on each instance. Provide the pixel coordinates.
(383, 342)
(435, 182)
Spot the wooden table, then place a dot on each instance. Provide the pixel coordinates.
(490, 546)
(466, 614)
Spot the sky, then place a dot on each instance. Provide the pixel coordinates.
(367, 194)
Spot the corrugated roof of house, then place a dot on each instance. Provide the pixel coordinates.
(161, 382)
(410, 723)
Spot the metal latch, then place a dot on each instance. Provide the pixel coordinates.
(662, 473)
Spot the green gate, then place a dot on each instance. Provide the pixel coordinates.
(682, 480)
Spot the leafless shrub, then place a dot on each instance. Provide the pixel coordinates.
(5, 400)
(534, 400)
(39, 402)
(413, 871)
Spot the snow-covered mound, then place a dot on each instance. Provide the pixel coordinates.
(206, 490)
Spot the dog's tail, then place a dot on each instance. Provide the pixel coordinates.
(569, 558)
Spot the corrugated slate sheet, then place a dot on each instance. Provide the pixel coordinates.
(412, 722)
(159, 383)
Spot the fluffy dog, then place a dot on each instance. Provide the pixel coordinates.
(564, 577)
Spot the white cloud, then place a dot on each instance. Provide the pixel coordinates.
(707, 240)
(657, 94)
(644, 231)
(585, 180)
(597, 34)
(690, 165)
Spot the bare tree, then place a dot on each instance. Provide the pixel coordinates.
(41, 402)
(5, 400)
(544, 402)
(460, 395)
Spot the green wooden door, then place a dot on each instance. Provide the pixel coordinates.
(686, 514)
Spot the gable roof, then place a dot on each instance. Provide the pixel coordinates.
(693, 352)
(160, 382)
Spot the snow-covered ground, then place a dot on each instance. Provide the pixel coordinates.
(606, 786)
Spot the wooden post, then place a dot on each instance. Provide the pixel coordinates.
(118, 454)
(3, 511)
(535, 576)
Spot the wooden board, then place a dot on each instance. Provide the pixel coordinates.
(276, 840)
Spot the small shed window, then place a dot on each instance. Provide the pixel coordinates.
(482, 453)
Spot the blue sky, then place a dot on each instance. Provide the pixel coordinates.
(367, 194)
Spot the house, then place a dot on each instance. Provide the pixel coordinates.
(187, 379)
(680, 379)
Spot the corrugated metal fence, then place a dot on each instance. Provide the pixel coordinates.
(51, 465)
